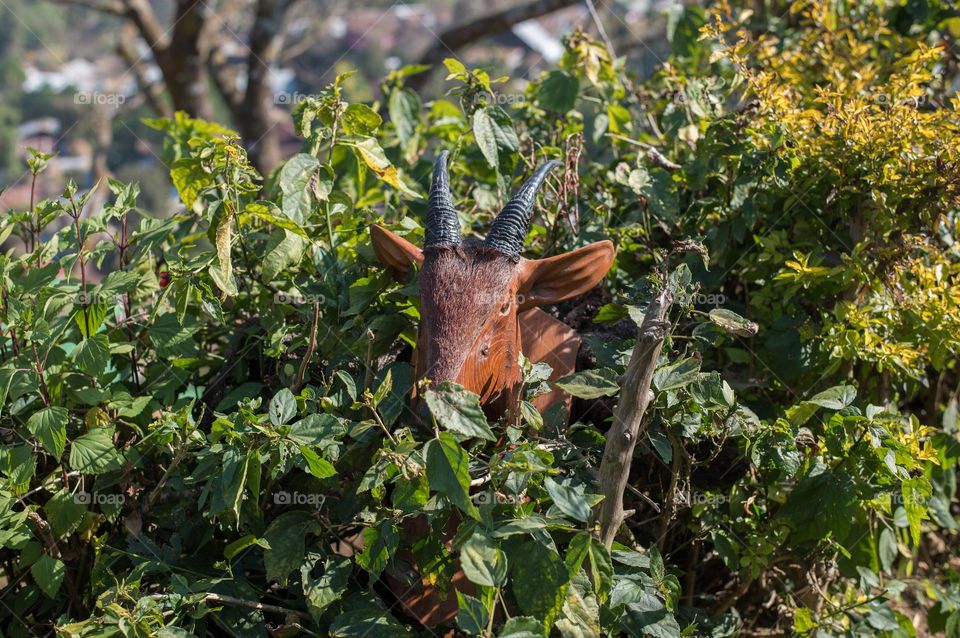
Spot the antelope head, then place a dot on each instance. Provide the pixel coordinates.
(475, 293)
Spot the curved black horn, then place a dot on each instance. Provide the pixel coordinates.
(443, 225)
(509, 229)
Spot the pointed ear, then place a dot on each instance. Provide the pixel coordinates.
(552, 280)
(394, 251)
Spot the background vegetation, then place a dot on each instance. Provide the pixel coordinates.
(195, 433)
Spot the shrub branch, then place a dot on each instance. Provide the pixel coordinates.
(635, 396)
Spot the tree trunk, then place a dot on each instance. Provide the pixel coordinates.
(184, 61)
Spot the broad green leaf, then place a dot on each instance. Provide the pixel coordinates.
(89, 321)
(283, 407)
(558, 91)
(584, 548)
(734, 323)
(482, 561)
(318, 466)
(369, 150)
(49, 425)
(448, 472)
(590, 384)
(315, 429)
(94, 452)
(286, 537)
(360, 119)
(916, 492)
(92, 355)
(835, 398)
(64, 512)
(48, 572)
(458, 411)
(472, 616)
(540, 580)
(294, 179)
(649, 617)
(283, 250)
(242, 543)
(568, 500)
(486, 137)
(379, 545)
(327, 588)
(522, 627)
(676, 375)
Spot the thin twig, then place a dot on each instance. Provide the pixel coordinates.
(311, 346)
(249, 604)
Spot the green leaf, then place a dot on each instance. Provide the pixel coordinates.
(486, 137)
(835, 398)
(318, 466)
(522, 627)
(90, 321)
(190, 179)
(286, 537)
(482, 561)
(676, 375)
(94, 453)
(803, 621)
(472, 616)
(539, 580)
(326, 589)
(316, 429)
(283, 250)
(448, 472)
(283, 407)
(369, 150)
(379, 545)
(649, 617)
(64, 513)
(458, 411)
(558, 91)
(733, 323)
(91, 355)
(916, 492)
(49, 425)
(821, 505)
(404, 107)
(360, 119)
(569, 500)
(242, 543)
(590, 384)
(585, 548)
(368, 619)
(48, 572)
(295, 177)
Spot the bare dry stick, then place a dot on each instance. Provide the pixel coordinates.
(311, 346)
(635, 396)
(249, 604)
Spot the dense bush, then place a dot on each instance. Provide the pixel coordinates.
(192, 435)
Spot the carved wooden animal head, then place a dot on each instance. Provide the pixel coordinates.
(472, 292)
